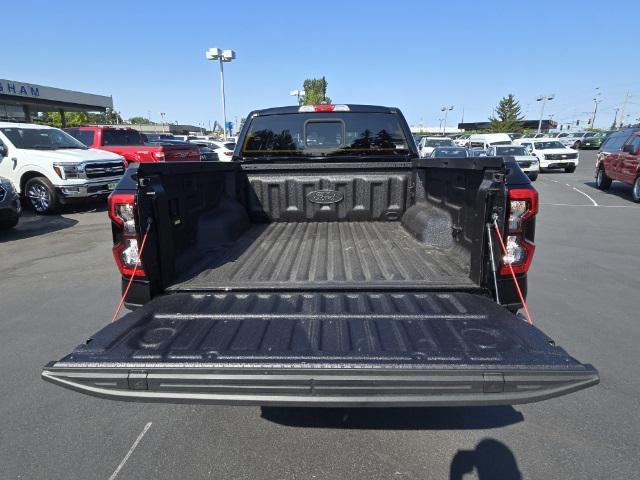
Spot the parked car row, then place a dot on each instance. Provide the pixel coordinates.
(531, 154)
(49, 167)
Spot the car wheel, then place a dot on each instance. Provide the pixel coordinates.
(533, 177)
(570, 169)
(41, 195)
(635, 192)
(603, 182)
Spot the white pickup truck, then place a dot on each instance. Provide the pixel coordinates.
(49, 167)
(551, 153)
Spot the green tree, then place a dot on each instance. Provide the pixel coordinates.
(110, 117)
(315, 92)
(507, 116)
(139, 121)
(54, 119)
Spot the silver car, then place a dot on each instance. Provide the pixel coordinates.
(10, 207)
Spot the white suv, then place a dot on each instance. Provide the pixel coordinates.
(50, 167)
(551, 153)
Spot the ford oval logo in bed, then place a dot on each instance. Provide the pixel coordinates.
(325, 197)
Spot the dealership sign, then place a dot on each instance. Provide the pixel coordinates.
(40, 92)
(14, 88)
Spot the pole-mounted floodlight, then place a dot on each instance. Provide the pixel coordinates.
(543, 99)
(446, 110)
(222, 56)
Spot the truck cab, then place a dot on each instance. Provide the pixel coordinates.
(326, 265)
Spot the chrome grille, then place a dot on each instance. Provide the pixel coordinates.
(561, 156)
(104, 169)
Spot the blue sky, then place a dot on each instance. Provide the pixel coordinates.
(417, 55)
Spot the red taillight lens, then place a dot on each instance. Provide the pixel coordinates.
(228, 154)
(122, 213)
(523, 206)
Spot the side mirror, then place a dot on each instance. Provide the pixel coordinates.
(628, 148)
(4, 151)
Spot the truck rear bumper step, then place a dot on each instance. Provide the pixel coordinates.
(357, 386)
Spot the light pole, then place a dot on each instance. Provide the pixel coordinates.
(162, 114)
(445, 110)
(596, 101)
(297, 93)
(222, 56)
(543, 99)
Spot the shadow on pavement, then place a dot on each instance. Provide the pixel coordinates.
(445, 418)
(490, 459)
(617, 189)
(32, 225)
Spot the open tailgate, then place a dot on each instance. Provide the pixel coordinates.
(334, 349)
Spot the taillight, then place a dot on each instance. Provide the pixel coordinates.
(122, 212)
(522, 207)
(228, 154)
(159, 156)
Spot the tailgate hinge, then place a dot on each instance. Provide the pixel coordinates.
(137, 380)
(493, 383)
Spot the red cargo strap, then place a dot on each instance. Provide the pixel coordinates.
(513, 274)
(133, 274)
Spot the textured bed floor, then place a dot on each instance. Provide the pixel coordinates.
(333, 254)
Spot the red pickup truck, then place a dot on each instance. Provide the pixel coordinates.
(619, 159)
(131, 145)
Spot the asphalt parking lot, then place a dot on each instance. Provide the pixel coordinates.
(59, 285)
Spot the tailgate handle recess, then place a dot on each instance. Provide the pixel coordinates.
(137, 380)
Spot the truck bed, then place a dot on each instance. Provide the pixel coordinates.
(304, 255)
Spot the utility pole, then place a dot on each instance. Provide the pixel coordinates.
(624, 107)
(596, 101)
(615, 119)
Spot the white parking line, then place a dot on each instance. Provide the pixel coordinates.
(595, 204)
(587, 205)
(133, 447)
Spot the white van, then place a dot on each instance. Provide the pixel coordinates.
(483, 141)
(49, 167)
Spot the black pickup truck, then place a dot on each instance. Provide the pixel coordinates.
(326, 265)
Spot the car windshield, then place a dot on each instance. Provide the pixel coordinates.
(41, 138)
(548, 145)
(230, 145)
(450, 152)
(438, 142)
(326, 134)
(511, 151)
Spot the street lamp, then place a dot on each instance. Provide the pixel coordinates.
(297, 93)
(445, 110)
(222, 56)
(162, 114)
(543, 99)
